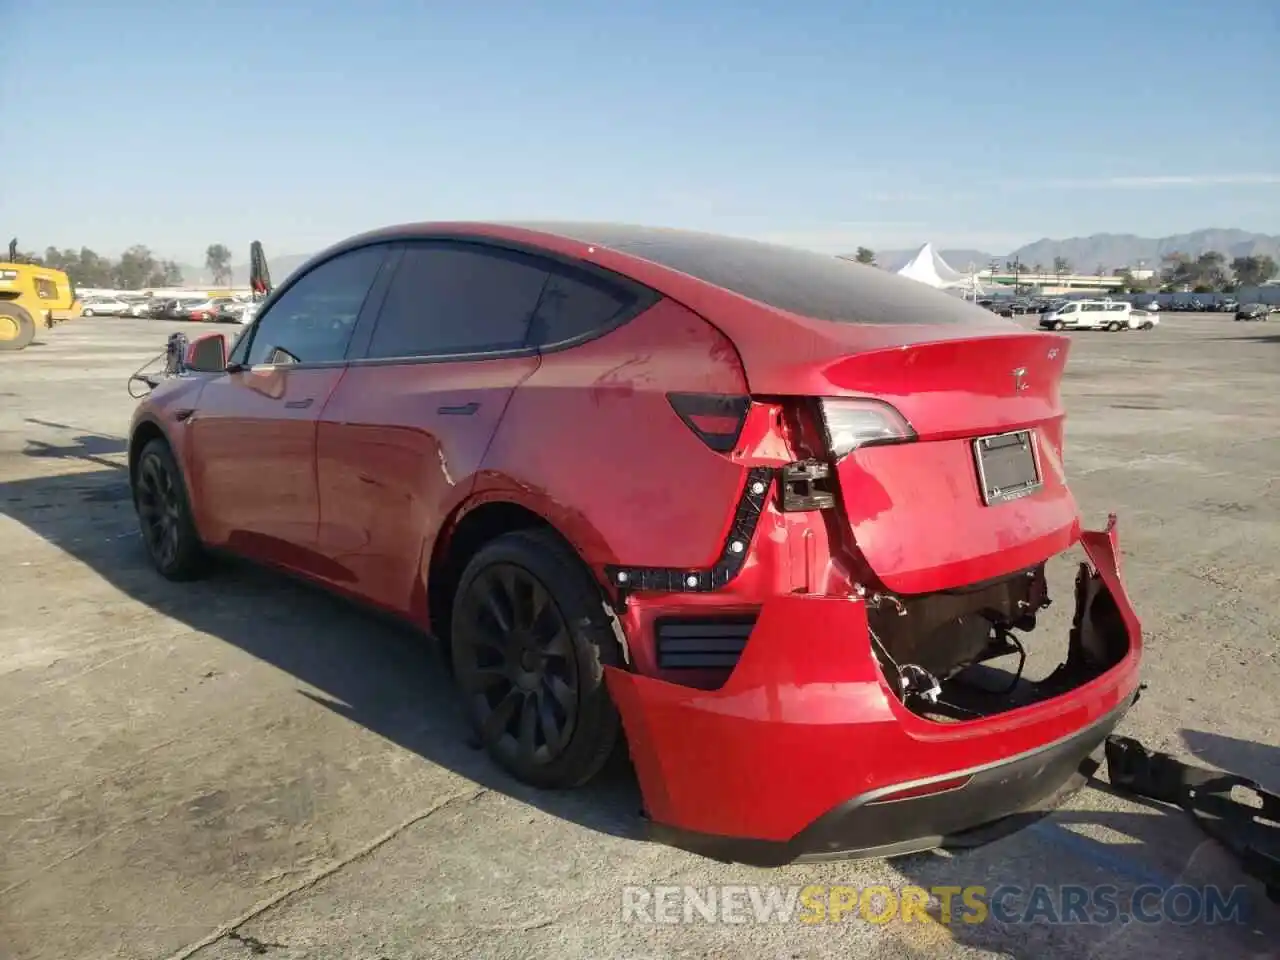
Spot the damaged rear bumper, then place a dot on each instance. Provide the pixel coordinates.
(806, 752)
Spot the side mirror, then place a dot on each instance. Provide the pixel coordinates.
(207, 354)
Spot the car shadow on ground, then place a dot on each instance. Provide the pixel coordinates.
(1256, 761)
(377, 672)
(1107, 856)
(391, 680)
(1257, 338)
(89, 446)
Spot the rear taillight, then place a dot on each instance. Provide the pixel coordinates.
(715, 418)
(850, 424)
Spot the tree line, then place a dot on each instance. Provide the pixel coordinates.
(1211, 273)
(136, 269)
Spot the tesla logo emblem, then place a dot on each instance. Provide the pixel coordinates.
(1019, 384)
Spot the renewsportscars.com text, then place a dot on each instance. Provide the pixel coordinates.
(1005, 904)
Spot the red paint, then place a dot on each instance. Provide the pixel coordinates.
(806, 722)
(251, 457)
(360, 488)
(392, 466)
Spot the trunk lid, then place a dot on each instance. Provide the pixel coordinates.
(917, 510)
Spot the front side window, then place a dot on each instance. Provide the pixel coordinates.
(312, 321)
(455, 299)
(1070, 308)
(46, 289)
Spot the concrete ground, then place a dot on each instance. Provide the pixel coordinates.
(244, 767)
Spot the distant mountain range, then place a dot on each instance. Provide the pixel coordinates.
(1085, 254)
(1108, 250)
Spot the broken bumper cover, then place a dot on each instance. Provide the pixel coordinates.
(805, 752)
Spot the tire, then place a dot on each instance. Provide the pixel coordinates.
(88, 312)
(17, 329)
(534, 687)
(1113, 327)
(1059, 325)
(164, 514)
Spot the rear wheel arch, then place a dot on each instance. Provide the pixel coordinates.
(469, 528)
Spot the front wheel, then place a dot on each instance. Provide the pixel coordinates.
(531, 635)
(88, 312)
(1059, 325)
(164, 514)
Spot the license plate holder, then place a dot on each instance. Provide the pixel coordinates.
(1008, 466)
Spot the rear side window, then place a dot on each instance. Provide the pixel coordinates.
(576, 305)
(1117, 306)
(1092, 307)
(451, 299)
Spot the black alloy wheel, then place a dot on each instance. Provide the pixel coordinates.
(530, 638)
(164, 514)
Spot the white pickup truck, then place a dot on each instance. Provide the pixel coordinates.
(1098, 315)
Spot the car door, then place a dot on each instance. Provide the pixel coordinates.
(253, 436)
(402, 437)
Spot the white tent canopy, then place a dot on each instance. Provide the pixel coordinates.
(928, 267)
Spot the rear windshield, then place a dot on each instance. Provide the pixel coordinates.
(811, 284)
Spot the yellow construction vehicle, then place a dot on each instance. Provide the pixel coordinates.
(31, 294)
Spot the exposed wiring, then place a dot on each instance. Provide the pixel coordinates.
(1022, 661)
(1018, 648)
(913, 679)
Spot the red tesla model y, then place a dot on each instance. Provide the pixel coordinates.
(773, 517)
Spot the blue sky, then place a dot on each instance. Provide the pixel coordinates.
(823, 124)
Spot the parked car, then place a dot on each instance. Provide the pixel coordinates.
(229, 311)
(1089, 315)
(1143, 320)
(104, 307)
(783, 541)
(140, 308)
(1253, 311)
(210, 309)
(202, 310)
(185, 308)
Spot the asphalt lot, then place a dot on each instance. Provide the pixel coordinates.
(245, 767)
